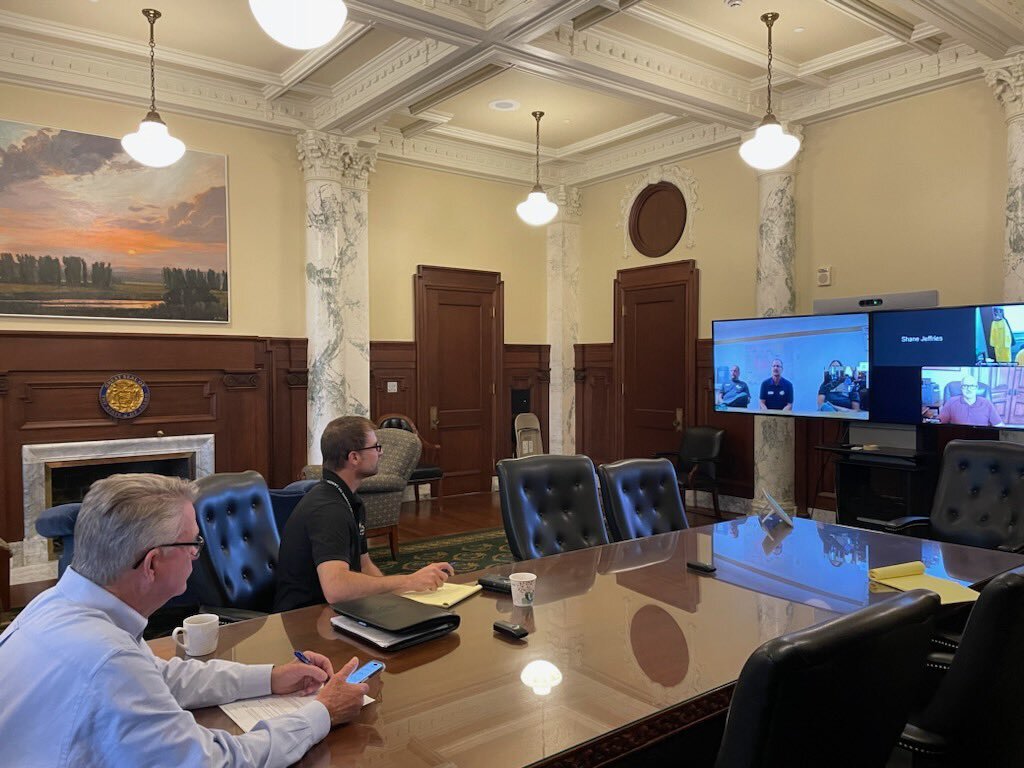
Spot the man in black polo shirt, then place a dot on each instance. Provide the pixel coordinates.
(323, 555)
(776, 392)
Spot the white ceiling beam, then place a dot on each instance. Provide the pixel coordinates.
(875, 16)
(316, 58)
(982, 28)
(416, 23)
(426, 120)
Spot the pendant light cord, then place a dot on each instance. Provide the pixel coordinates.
(152, 16)
(538, 116)
(769, 19)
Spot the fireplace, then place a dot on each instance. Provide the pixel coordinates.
(57, 473)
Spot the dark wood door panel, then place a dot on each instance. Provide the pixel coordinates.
(595, 402)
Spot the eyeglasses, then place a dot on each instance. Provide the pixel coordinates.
(378, 448)
(198, 545)
(968, 386)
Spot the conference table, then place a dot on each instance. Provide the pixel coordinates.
(644, 646)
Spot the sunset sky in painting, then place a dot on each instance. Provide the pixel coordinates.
(64, 193)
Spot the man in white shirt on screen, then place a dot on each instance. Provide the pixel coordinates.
(82, 688)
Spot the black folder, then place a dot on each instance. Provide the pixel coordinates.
(392, 622)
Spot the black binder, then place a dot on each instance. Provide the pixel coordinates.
(392, 622)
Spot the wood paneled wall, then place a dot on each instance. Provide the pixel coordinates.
(595, 403)
(526, 366)
(249, 392)
(736, 466)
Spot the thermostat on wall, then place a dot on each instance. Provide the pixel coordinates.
(825, 275)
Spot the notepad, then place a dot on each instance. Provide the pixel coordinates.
(907, 576)
(247, 712)
(444, 596)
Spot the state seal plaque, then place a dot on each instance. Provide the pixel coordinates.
(124, 396)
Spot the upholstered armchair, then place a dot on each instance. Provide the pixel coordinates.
(382, 493)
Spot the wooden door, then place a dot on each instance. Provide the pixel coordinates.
(655, 356)
(459, 339)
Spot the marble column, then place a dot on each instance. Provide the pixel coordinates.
(336, 172)
(563, 273)
(776, 295)
(1006, 77)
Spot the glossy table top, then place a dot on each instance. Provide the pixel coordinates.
(633, 633)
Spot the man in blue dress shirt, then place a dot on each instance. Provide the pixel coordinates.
(81, 687)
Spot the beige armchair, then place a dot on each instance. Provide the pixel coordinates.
(382, 493)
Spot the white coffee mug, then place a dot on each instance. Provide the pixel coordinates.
(199, 633)
(523, 585)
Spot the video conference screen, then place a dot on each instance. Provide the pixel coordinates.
(799, 366)
(952, 365)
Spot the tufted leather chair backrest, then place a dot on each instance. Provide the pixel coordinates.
(835, 694)
(238, 565)
(549, 504)
(396, 422)
(979, 500)
(641, 498)
(976, 707)
(701, 443)
(285, 500)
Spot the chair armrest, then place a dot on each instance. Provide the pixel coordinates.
(383, 483)
(1018, 549)
(898, 525)
(922, 742)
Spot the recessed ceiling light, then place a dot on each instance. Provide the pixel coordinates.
(504, 105)
(799, 29)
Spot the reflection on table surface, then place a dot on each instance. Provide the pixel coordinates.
(631, 631)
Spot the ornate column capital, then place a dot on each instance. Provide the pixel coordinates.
(570, 204)
(1006, 78)
(324, 156)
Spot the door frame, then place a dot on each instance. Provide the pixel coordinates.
(429, 277)
(681, 273)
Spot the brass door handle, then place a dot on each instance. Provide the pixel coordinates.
(677, 424)
(434, 423)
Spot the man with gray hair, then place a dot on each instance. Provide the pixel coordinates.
(81, 687)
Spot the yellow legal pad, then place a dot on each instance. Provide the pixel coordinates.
(907, 576)
(445, 596)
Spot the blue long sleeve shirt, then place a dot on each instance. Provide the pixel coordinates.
(79, 687)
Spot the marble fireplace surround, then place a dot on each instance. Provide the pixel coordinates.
(30, 560)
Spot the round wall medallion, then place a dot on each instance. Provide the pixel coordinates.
(124, 396)
(657, 219)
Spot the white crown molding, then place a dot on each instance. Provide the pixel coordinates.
(874, 16)
(977, 24)
(868, 86)
(415, 20)
(615, 135)
(61, 68)
(312, 61)
(382, 75)
(490, 140)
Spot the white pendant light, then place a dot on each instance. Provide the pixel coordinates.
(537, 210)
(153, 144)
(302, 24)
(770, 147)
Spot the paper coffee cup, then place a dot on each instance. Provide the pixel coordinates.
(523, 585)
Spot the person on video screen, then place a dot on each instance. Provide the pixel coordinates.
(1000, 337)
(776, 392)
(838, 391)
(735, 393)
(968, 408)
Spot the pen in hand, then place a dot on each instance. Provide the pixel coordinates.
(302, 657)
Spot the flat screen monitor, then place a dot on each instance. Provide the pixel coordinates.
(949, 365)
(815, 365)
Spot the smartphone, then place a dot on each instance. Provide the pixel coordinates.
(365, 672)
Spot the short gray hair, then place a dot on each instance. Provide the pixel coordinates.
(124, 515)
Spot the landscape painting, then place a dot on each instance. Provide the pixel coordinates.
(85, 231)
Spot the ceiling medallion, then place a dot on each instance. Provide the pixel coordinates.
(124, 396)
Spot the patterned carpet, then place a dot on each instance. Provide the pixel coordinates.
(465, 551)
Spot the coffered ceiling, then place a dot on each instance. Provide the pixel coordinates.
(624, 83)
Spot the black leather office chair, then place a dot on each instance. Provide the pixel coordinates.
(974, 715)
(426, 471)
(641, 498)
(696, 461)
(953, 389)
(549, 504)
(979, 500)
(285, 500)
(835, 694)
(237, 567)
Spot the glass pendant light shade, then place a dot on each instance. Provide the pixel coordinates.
(769, 148)
(301, 24)
(537, 209)
(153, 144)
